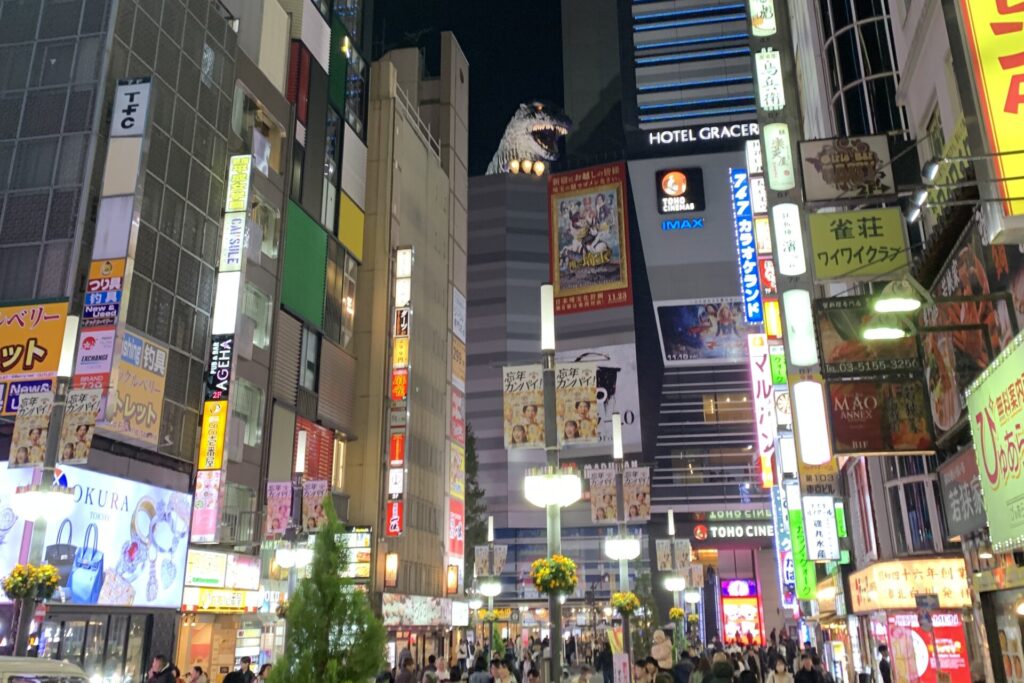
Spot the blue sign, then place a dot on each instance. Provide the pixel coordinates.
(683, 223)
(743, 216)
(16, 389)
(98, 298)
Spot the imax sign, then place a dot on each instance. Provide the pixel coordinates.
(683, 224)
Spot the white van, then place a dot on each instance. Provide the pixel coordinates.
(33, 670)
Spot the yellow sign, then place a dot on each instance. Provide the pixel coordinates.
(502, 613)
(220, 600)
(30, 341)
(458, 363)
(994, 38)
(136, 401)
(239, 171)
(400, 354)
(106, 275)
(211, 436)
(858, 245)
(894, 585)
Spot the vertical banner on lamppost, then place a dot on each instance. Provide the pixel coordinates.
(28, 441)
(279, 508)
(603, 494)
(636, 492)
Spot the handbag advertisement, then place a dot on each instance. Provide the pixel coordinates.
(124, 543)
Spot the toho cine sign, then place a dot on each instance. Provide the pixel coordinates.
(681, 191)
(709, 532)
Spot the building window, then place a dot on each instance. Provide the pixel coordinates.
(351, 14)
(348, 298)
(309, 366)
(338, 474)
(933, 131)
(355, 94)
(260, 134)
(727, 407)
(248, 407)
(257, 306)
(911, 488)
(332, 161)
(268, 217)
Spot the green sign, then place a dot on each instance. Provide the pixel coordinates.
(841, 519)
(995, 409)
(777, 359)
(806, 571)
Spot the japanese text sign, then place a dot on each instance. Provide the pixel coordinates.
(30, 343)
(893, 585)
(856, 245)
(746, 248)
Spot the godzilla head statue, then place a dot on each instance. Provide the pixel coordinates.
(531, 136)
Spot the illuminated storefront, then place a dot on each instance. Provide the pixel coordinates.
(741, 611)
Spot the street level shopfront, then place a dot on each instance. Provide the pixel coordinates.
(418, 624)
(925, 645)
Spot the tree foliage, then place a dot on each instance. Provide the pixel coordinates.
(333, 636)
(645, 622)
(476, 507)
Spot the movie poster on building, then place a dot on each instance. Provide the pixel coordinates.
(617, 389)
(28, 441)
(32, 334)
(879, 417)
(457, 471)
(603, 496)
(81, 408)
(313, 494)
(589, 238)
(702, 331)
(458, 422)
(135, 403)
(576, 397)
(279, 508)
(636, 492)
(523, 403)
(954, 359)
(844, 352)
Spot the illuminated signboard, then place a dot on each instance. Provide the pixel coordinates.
(765, 421)
(762, 18)
(680, 190)
(789, 240)
(750, 286)
(358, 542)
(894, 585)
(768, 65)
(820, 528)
(398, 411)
(993, 31)
(741, 610)
(778, 153)
(709, 133)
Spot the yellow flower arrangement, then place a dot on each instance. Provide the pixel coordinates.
(625, 603)
(490, 616)
(31, 581)
(676, 614)
(692, 618)
(555, 574)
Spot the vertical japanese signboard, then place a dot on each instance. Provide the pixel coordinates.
(746, 248)
(589, 238)
(135, 406)
(765, 420)
(213, 439)
(398, 421)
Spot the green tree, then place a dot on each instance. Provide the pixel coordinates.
(333, 636)
(645, 623)
(476, 507)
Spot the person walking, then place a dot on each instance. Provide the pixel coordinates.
(721, 669)
(779, 674)
(479, 674)
(807, 673)
(884, 667)
(701, 671)
(161, 671)
(407, 674)
(198, 676)
(463, 655)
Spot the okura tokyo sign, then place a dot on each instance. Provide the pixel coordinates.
(995, 404)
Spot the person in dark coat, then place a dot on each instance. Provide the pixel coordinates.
(721, 669)
(161, 671)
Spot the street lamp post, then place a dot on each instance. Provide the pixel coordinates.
(554, 509)
(490, 585)
(622, 546)
(47, 501)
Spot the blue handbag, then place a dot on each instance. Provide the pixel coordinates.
(87, 573)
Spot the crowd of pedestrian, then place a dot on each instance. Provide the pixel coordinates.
(163, 671)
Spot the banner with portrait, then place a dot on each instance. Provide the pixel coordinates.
(81, 410)
(577, 419)
(480, 560)
(636, 492)
(589, 238)
(702, 331)
(31, 426)
(617, 389)
(664, 548)
(603, 494)
(313, 494)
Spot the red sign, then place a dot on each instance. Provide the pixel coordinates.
(766, 268)
(319, 449)
(394, 518)
(874, 417)
(912, 649)
(399, 384)
(456, 527)
(396, 449)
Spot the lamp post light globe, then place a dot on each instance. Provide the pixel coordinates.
(675, 584)
(548, 486)
(691, 596)
(622, 547)
(475, 603)
(40, 501)
(490, 586)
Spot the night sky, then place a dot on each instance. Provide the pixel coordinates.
(514, 50)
